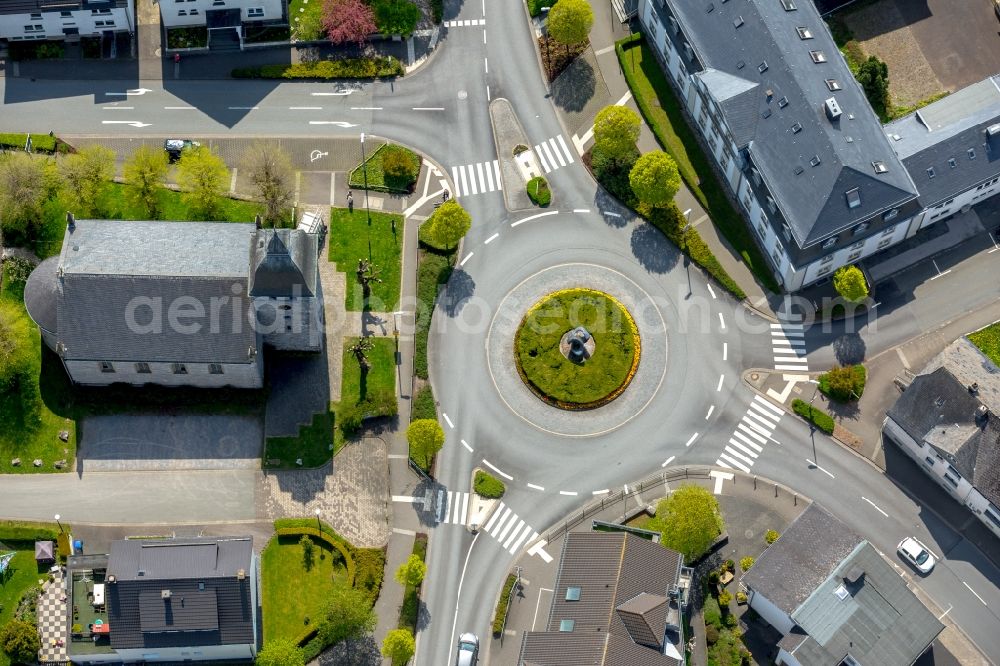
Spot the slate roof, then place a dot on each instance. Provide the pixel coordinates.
(880, 621)
(939, 409)
(612, 570)
(737, 38)
(41, 294)
(946, 130)
(207, 603)
(797, 563)
(285, 261)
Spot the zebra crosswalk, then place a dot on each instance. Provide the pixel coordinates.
(788, 347)
(509, 530)
(459, 23)
(476, 178)
(456, 509)
(751, 435)
(553, 153)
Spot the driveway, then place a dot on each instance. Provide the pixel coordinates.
(138, 442)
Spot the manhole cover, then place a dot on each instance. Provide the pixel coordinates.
(748, 534)
(462, 94)
(754, 376)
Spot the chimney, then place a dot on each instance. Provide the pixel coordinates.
(974, 388)
(165, 594)
(832, 109)
(241, 574)
(70, 222)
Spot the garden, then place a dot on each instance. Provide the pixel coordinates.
(391, 168)
(987, 340)
(349, 237)
(344, 21)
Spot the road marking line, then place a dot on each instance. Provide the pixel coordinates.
(601, 492)
(497, 470)
(722, 464)
(491, 239)
(513, 534)
(182, 108)
(767, 418)
(710, 410)
(503, 533)
(555, 151)
(790, 359)
(761, 401)
(488, 98)
(458, 595)
(126, 108)
(517, 544)
(450, 424)
(493, 518)
(720, 477)
(791, 367)
(489, 177)
(534, 487)
(465, 507)
(691, 441)
(725, 351)
(722, 321)
(496, 168)
(486, 65)
(747, 433)
(788, 326)
(503, 519)
(610, 214)
(571, 493)
(732, 463)
(472, 180)
(876, 508)
(823, 470)
(541, 158)
(668, 461)
(533, 217)
(428, 108)
(562, 143)
(581, 210)
(298, 108)
(606, 49)
(403, 498)
(711, 291)
(467, 257)
(456, 518)
(743, 448)
(482, 179)
(244, 108)
(466, 445)
(940, 617)
(366, 108)
(973, 591)
(539, 549)
(722, 378)
(736, 454)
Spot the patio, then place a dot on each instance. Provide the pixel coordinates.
(90, 632)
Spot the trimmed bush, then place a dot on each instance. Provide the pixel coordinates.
(712, 612)
(746, 563)
(423, 404)
(488, 486)
(20, 530)
(843, 384)
(771, 536)
(346, 68)
(40, 143)
(539, 192)
(711, 634)
(725, 597)
(814, 415)
(501, 612)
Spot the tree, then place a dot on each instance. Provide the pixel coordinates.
(401, 167)
(367, 276)
(308, 552)
(398, 646)
(873, 75)
(426, 438)
(360, 350)
(16, 347)
(850, 283)
(269, 169)
(570, 22)
(19, 640)
(396, 17)
(204, 176)
(446, 226)
(654, 179)
(689, 521)
(87, 173)
(24, 188)
(280, 652)
(411, 572)
(348, 21)
(145, 172)
(616, 129)
(348, 614)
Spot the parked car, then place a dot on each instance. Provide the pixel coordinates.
(917, 554)
(468, 650)
(176, 147)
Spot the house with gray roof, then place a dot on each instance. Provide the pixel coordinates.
(176, 303)
(818, 179)
(69, 20)
(946, 420)
(618, 601)
(835, 599)
(178, 600)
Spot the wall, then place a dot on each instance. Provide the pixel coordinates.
(112, 658)
(240, 375)
(53, 22)
(773, 615)
(272, 10)
(303, 316)
(954, 204)
(786, 659)
(202, 653)
(254, 598)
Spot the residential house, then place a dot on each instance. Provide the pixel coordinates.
(946, 420)
(26, 20)
(222, 17)
(618, 600)
(835, 599)
(167, 600)
(176, 303)
(819, 180)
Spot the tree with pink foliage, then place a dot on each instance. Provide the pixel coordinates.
(348, 21)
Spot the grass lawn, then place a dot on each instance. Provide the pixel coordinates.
(663, 112)
(378, 179)
(988, 341)
(290, 593)
(348, 241)
(309, 11)
(369, 392)
(543, 364)
(315, 444)
(434, 269)
(22, 575)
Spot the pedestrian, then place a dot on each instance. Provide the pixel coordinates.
(445, 195)
(350, 203)
(177, 58)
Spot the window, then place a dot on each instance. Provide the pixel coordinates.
(827, 259)
(108, 24)
(747, 201)
(725, 160)
(833, 84)
(829, 242)
(36, 17)
(66, 15)
(255, 11)
(817, 56)
(853, 197)
(773, 207)
(993, 517)
(890, 214)
(762, 230)
(218, 3)
(193, 12)
(815, 161)
(95, 12)
(789, 5)
(179, 369)
(142, 368)
(762, 67)
(879, 166)
(214, 369)
(930, 172)
(776, 255)
(796, 128)
(858, 245)
(853, 255)
(823, 271)
(884, 243)
(929, 461)
(783, 102)
(572, 593)
(566, 625)
(737, 22)
(861, 228)
(107, 366)
(972, 153)
(33, 28)
(841, 592)
(888, 230)
(804, 33)
(182, 12)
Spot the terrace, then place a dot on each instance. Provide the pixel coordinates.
(90, 629)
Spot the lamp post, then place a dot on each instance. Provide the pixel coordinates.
(548, 57)
(687, 259)
(319, 525)
(368, 210)
(812, 428)
(57, 517)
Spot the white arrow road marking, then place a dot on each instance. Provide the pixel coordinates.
(337, 93)
(116, 108)
(133, 123)
(127, 93)
(338, 123)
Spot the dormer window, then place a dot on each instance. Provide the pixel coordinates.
(783, 102)
(879, 166)
(930, 172)
(789, 5)
(860, 229)
(572, 593)
(738, 21)
(796, 128)
(833, 84)
(762, 67)
(815, 161)
(854, 198)
(817, 56)
(829, 242)
(804, 33)
(566, 625)
(952, 163)
(972, 153)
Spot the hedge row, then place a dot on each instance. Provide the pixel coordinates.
(40, 143)
(500, 616)
(337, 544)
(20, 530)
(423, 404)
(816, 416)
(377, 67)
(432, 273)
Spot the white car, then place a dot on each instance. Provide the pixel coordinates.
(917, 554)
(468, 650)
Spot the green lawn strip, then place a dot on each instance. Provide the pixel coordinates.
(293, 598)
(314, 445)
(348, 240)
(377, 179)
(410, 608)
(40, 143)
(539, 192)
(367, 67)
(434, 270)
(662, 110)
(500, 615)
(542, 362)
(371, 395)
(814, 415)
(23, 575)
(424, 406)
(309, 12)
(988, 341)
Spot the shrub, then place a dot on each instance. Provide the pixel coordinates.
(535, 6)
(712, 612)
(731, 621)
(345, 68)
(729, 565)
(711, 634)
(446, 226)
(688, 520)
(400, 165)
(771, 536)
(396, 17)
(40, 143)
(437, 10)
(746, 563)
(816, 416)
(741, 597)
(539, 192)
(844, 384)
(19, 530)
(713, 578)
(424, 406)
(488, 486)
(724, 599)
(850, 283)
(501, 611)
(369, 571)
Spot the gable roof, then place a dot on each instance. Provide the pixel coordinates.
(878, 620)
(285, 261)
(741, 38)
(644, 617)
(801, 559)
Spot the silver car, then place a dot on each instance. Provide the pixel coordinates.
(917, 554)
(468, 650)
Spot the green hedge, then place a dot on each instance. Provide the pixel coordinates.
(501, 612)
(424, 406)
(437, 10)
(488, 486)
(434, 270)
(20, 530)
(343, 546)
(347, 68)
(816, 416)
(409, 611)
(40, 143)
(539, 192)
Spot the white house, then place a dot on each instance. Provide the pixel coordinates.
(947, 421)
(835, 600)
(221, 14)
(22, 20)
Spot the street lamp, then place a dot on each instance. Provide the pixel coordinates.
(58, 523)
(687, 260)
(368, 210)
(812, 428)
(319, 525)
